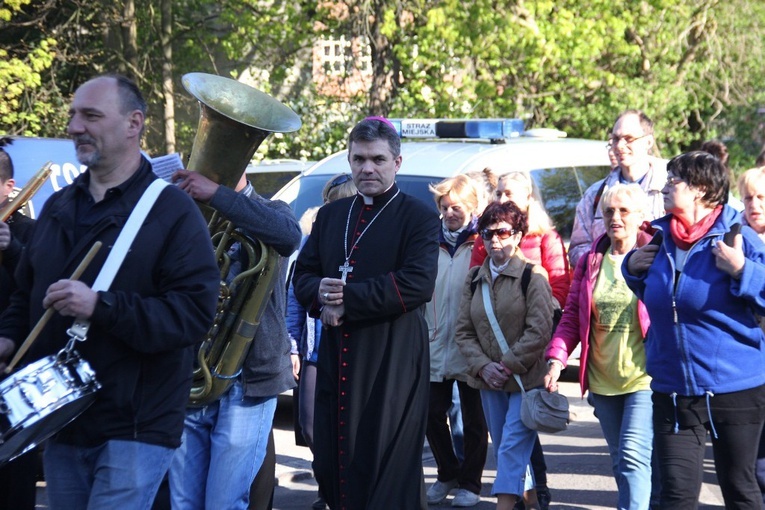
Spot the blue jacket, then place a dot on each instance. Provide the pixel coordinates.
(297, 326)
(704, 336)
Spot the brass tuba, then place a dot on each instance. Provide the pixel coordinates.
(234, 120)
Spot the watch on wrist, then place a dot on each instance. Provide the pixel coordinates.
(106, 299)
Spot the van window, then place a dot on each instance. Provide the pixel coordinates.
(561, 190)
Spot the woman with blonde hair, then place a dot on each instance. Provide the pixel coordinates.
(457, 200)
(751, 187)
(609, 322)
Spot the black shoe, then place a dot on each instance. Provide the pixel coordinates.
(544, 497)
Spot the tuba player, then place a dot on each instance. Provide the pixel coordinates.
(224, 442)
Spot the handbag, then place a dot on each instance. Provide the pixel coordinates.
(541, 410)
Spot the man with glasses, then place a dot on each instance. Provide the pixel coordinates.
(632, 143)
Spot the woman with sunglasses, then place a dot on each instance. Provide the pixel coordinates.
(604, 316)
(703, 285)
(540, 245)
(524, 317)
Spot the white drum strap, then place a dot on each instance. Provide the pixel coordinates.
(79, 330)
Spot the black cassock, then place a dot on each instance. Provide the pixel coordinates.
(373, 370)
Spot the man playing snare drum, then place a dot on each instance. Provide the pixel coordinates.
(142, 330)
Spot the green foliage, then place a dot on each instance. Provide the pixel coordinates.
(694, 67)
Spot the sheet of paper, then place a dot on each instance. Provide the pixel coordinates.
(165, 166)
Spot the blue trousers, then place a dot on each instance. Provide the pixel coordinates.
(627, 424)
(116, 474)
(223, 447)
(512, 441)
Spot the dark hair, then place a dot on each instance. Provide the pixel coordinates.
(130, 95)
(370, 130)
(6, 165)
(645, 121)
(717, 149)
(703, 170)
(507, 212)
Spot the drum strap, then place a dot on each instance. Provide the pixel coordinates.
(79, 329)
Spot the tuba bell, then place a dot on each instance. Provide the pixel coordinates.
(234, 120)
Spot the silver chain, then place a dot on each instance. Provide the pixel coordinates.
(348, 222)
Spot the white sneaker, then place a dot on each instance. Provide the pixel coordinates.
(439, 490)
(465, 498)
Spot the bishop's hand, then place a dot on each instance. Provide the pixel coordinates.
(331, 291)
(332, 315)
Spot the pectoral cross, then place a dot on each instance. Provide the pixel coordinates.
(345, 269)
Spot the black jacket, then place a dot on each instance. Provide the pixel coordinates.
(161, 303)
(21, 228)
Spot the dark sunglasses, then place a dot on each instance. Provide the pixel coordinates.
(339, 180)
(488, 234)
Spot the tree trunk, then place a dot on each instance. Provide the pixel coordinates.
(167, 74)
(130, 38)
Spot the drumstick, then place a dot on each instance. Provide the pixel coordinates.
(49, 312)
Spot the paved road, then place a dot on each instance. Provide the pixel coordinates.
(579, 472)
(579, 469)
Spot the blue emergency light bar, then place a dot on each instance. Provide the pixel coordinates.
(488, 129)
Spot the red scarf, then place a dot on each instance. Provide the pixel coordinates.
(685, 235)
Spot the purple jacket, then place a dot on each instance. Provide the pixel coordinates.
(574, 326)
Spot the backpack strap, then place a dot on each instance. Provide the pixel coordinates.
(526, 278)
(598, 195)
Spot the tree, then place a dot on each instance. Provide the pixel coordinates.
(693, 67)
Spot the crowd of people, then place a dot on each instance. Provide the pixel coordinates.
(396, 319)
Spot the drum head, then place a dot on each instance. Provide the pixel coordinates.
(26, 438)
(41, 399)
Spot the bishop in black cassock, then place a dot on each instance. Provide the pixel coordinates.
(372, 380)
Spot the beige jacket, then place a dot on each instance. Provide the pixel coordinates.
(526, 324)
(446, 360)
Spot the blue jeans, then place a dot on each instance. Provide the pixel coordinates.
(627, 423)
(223, 447)
(512, 441)
(116, 474)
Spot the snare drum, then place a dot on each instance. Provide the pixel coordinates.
(42, 398)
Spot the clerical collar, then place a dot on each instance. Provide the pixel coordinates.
(382, 197)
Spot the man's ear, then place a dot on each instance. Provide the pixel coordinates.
(135, 122)
(398, 161)
(7, 187)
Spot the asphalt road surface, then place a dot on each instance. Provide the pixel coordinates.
(579, 469)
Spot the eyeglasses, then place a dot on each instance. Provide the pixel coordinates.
(672, 181)
(488, 234)
(628, 139)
